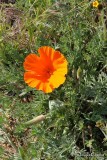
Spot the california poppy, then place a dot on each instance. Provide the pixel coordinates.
(47, 71)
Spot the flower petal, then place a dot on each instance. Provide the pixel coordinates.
(30, 79)
(31, 62)
(46, 52)
(45, 87)
(56, 79)
(48, 88)
(62, 71)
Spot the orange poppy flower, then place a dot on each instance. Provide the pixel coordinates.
(47, 71)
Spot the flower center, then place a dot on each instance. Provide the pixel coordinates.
(48, 72)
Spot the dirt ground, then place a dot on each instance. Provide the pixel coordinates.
(7, 1)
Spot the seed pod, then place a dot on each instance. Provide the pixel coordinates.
(36, 120)
(79, 73)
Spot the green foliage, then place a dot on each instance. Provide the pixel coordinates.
(76, 126)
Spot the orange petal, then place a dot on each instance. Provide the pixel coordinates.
(48, 88)
(29, 78)
(46, 52)
(32, 61)
(56, 80)
(62, 71)
(38, 84)
(58, 56)
(59, 60)
(31, 58)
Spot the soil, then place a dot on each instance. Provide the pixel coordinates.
(8, 1)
